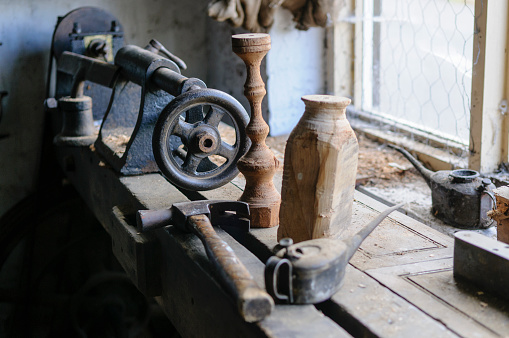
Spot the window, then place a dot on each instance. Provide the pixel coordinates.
(411, 67)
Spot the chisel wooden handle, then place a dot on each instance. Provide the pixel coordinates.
(253, 302)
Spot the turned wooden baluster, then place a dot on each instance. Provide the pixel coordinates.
(259, 164)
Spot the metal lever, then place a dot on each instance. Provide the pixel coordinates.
(154, 44)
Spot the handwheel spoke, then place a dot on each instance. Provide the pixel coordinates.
(194, 114)
(226, 150)
(214, 116)
(191, 163)
(183, 129)
(187, 142)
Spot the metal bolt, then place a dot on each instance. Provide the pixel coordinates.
(98, 47)
(115, 27)
(285, 242)
(76, 28)
(50, 103)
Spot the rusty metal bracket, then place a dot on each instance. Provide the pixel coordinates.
(125, 138)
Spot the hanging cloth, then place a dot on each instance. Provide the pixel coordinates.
(258, 15)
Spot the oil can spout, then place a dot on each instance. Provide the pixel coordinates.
(355, 242)
(425, 172)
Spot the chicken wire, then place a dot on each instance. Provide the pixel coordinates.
(417, 64)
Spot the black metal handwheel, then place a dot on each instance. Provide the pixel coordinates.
(188, 146)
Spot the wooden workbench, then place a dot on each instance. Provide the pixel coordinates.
(399, 284)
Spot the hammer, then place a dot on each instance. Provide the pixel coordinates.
(253, 303)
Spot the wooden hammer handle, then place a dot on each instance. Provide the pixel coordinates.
(253, 302)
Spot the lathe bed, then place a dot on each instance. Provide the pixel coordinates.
(399, 283)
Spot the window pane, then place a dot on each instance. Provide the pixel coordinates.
(420, 64)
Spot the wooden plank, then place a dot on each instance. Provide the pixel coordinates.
(431, 287)
(114, 199)
(487, 311)
(340, 51)
(358, 50)
(196, 304)
(152, 191)
(366, 308)
(482, 261)
(229, 191)
(137, 254)
(399, 239)
(488, 140)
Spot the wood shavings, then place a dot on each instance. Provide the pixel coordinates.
(118, 140)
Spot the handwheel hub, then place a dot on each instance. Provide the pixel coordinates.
(205, 140)
(188, 146)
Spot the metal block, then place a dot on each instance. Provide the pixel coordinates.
(92, 32)
(482, 261)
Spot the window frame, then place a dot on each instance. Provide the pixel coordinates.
(489, 123)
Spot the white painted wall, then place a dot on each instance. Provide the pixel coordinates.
(295, 67)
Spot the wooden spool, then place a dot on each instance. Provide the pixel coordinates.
(259, 164)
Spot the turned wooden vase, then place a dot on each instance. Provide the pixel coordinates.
(319, 172)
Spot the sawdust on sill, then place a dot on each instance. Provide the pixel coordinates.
(117, 143)
(385, 173)
(118, 140)
(378, 164)
(384, 167)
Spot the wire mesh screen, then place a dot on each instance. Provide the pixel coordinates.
(417, 64)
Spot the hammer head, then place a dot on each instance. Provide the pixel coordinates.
(224, 213)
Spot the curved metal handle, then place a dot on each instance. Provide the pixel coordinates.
(484, 219)
(492, 196)
(272, 281)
